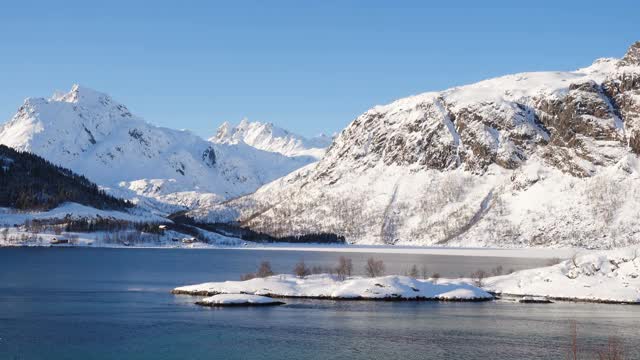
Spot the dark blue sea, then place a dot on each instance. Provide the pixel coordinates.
(84, 303)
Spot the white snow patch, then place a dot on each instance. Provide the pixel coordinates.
(606, 276)
(237, 299)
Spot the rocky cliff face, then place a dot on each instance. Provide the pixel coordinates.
(547, 158)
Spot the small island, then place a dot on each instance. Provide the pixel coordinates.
(325, 286)
(225, 300)
(611, 276)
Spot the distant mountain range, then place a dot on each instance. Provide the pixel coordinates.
(92, 134)
(267, 137)
(531, 159)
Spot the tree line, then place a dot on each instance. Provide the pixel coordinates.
(29, 182)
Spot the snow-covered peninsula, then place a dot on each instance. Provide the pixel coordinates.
(605, 277)
(329, 287)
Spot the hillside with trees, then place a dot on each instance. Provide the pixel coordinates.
(29, 182)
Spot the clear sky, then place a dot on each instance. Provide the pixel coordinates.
(309, 66)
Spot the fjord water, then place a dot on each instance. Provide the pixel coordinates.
(83, 303)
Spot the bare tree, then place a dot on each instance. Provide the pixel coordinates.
(424, 272)
(248, 276)
(264, 270)
(478, 277)
(301, 270)
(435, 277)
(74, 239)
(413, 272)
(374, 268)
(497, 271)
(606, 196)
(344, 268)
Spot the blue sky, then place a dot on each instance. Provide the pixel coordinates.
(308, 66)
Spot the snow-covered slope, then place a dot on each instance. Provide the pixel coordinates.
(531, 159)
(90, 133)
(267, 137)
(74, 211)
(609, 276)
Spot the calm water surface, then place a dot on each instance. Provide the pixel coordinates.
(115, 304)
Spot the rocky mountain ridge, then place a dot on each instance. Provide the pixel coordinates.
(268, 137)
(530, 159)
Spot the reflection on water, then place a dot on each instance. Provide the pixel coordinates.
(114, 304)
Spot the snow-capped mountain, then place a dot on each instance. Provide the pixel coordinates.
(531, 159)
(90, 133)
(267, 137)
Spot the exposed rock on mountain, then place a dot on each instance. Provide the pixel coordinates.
(267, 137)
(90, 133)
(531, 159)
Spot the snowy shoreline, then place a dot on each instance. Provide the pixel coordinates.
(226, 300)
(537, 253)
(608, 277)
(531, 253)
(502, 296)
(611, 277)
(323, 286)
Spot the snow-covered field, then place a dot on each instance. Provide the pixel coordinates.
(19, 228)
(330, 287)
(19, 236)
(606, 276)
(10, 217)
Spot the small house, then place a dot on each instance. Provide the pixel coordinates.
(56, 241)
(189, 240)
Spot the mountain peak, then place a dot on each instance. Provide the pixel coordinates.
(268, 137)
(84, 96)
(90, 133)
(632, 57)
(245, 123)
(223, 130)
(484, 164)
